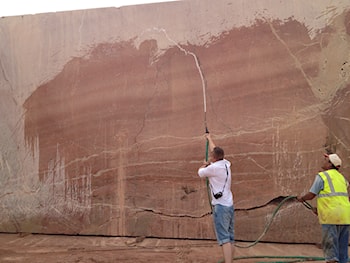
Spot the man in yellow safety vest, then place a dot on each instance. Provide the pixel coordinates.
(333, 209)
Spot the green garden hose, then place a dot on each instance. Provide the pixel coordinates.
(268, 224)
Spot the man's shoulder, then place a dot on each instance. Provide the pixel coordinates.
(331, 171)
(227, 162)
(222, 162)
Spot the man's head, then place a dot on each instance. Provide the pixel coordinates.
(332, 161)
(217, 154)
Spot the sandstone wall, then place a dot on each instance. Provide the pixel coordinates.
(103, 113)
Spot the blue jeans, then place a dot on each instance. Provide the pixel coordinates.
(335, 239)
(223, 221)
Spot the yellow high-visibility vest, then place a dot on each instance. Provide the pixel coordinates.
(333, 204)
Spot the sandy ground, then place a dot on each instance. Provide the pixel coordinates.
(91, 249)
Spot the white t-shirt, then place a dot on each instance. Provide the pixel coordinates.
(217, 174)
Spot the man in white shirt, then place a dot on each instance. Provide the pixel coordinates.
(218, 173)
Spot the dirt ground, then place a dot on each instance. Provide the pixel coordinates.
(90, 249)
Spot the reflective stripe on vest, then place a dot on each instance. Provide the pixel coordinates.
(333, 201)
(331, 186)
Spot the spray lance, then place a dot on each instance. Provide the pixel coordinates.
(207, 146)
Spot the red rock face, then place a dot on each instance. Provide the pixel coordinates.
(118, 132)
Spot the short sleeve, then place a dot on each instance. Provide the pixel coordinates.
(317, 186)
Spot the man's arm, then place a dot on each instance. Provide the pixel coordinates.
(308, 196)
(211, 143)
(316, 187)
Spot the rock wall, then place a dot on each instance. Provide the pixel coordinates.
(103, 113)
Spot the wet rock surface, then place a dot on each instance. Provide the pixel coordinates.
(90, 249)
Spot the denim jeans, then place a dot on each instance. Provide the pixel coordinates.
(224, 221)
(335, 239)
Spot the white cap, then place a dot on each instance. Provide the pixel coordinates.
(334, 159)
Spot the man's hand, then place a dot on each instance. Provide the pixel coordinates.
(207, 136)
(205, 164)
(300, 199)
(210, 140)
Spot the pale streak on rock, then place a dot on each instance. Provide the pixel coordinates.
(295, 59)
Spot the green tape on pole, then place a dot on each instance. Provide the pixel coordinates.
(207, 180)
(207, 151)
